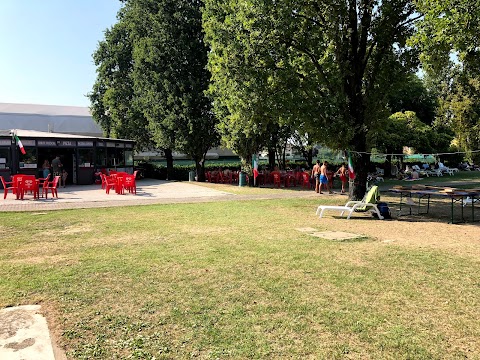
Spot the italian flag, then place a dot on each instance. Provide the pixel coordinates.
(351, 172)
(255, 166)
(20, 145)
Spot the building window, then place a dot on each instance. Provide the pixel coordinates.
(4, 158)
(29, 160)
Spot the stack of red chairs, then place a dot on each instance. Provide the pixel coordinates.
(228, 177)
(290, 180)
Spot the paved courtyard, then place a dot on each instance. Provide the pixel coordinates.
(87, 196)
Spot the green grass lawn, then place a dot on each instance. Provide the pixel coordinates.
(234, 280)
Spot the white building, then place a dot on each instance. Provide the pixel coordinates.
(49, 118)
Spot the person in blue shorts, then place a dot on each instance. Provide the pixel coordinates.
(324, 178)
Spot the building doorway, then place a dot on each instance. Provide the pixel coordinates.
(67, 158)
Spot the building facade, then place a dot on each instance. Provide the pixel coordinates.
(69, 132)
(81, 156)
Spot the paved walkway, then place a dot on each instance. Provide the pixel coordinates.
(148, 192)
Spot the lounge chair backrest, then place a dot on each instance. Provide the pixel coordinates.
(372, 197)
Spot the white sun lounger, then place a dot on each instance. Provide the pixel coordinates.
(352, 206)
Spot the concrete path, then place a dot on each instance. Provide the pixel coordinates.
(24, 334)
(148, 192)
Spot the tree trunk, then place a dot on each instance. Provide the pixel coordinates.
(361, 164)
(169, 158)
(200, 170)
(310, 158)
(271, 158)
(387, 167)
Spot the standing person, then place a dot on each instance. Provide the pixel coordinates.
(324, 178)
(57, 167)
(342, 173)
(46, 168)
(316, 175)
(64, 177)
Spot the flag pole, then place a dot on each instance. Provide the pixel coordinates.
(351, 175)
(253, 171)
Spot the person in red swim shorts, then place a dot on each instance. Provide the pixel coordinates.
(342, 173)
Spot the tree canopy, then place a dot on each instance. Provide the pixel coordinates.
(329, 72)
(152, 65)
(328, 65)
(450, 52)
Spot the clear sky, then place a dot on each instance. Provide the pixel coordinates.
(46, 49)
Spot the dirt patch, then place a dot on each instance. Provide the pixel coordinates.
(462, 239)
(337, 235)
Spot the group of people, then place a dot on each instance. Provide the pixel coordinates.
(57, 170)
(319, 173)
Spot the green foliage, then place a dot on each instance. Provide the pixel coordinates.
(405, 129)
(324, 69)
(170, 75)
(152, 77)
(113, 100)
(450, 53)
(412, 94)
(159, 171)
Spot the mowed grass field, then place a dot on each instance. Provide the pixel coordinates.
(238, 280)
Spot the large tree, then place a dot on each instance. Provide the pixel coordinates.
(162, 78)
(170, 74)
(113, 101)
(331, 63)
(448, 38)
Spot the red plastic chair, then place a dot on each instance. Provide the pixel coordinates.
(110, 183)
(129, 184)
(43, 182)
(29, 183)
(221, 177)
(228, 177)
(266, 178)
(17, 182)
(214, 176)
(306, 180)
(51, 185)
(119, 185)
(290, 180)
(103, 177)
(8, 186)
(277, 180)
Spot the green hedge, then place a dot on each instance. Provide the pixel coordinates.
(180, 172)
